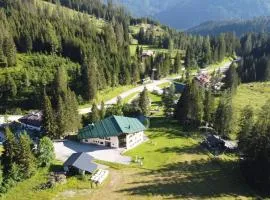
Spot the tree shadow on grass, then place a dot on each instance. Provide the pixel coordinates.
(194, 149)
(196, 179)
(170, 128)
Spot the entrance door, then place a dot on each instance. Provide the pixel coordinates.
(122, 141)
(107, 144)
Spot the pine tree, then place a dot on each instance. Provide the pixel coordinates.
(61, 81)
(144, 102)
(221, 48)
(9, 51)
(223, 116)
(61, 118)
(11, 85)
(182, 107)
(102, 112)
(196, 103)
(168, 100)
(45, 151)
(246, 124)
(209, 107)
(231, 79)
(177, 64)
(91, 79)
(95, 113)
(49, 120)
(71, 109)
(11, 149)
(26, 160)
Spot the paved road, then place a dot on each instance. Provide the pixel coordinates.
(64, 149)
(10, 118)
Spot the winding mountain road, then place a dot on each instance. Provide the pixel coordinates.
(150, 86)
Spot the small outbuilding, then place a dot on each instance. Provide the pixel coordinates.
(81, 162)
(32, 121)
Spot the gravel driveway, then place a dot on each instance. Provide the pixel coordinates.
(64, 149)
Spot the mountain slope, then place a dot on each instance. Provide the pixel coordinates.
(183, 14)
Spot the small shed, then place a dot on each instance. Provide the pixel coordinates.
(82, 162)
(179, 87)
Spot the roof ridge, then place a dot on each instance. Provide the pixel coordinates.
(117, 122)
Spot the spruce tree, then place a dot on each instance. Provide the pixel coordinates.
(168, 100)
(195, 103)
(26, 160)
(223, 116)
(209, 106)
(231, 79)
(11, 150)
(10, 51)
(90, 79)
(182, 107)
(95, 113)
(61, 118)
(49, 120)
(246, 124)
(45, 152)
(102, 112)
(61, 81)
(144, 102)
(177, 67)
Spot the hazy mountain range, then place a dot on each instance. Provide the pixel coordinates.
(184, 14)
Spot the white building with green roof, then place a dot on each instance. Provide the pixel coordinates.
(115, 132)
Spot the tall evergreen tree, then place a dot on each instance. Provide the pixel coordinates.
(168, 100)
(223, 116)
(182, 107)
(45, 152)
(144, 102)
(102, 112)
(11, 149)
(209, 106)
(231, 78)
(61, 81)
(95, 113)
(26, 160)
(49, 120)
(90, 79)
(10, 51)
(61, 118)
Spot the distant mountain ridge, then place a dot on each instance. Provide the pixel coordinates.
(184, 14)
(239, 27)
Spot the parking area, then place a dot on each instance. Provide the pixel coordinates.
(64, 149)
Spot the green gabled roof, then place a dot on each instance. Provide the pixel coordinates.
(111, 126)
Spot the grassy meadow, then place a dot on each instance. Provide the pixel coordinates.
(175, 166)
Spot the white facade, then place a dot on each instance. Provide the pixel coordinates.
(110, 142)
(132, 140)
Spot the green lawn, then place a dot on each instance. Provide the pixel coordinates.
(155, 49)
(29, 189)
(254, 94)
(109, 93)
(217, 65)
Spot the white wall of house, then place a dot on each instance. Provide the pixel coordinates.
(134, 140)
(114, 142)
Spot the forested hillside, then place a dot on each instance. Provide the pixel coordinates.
(255, 65)
(239, 27)
(93, 49)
